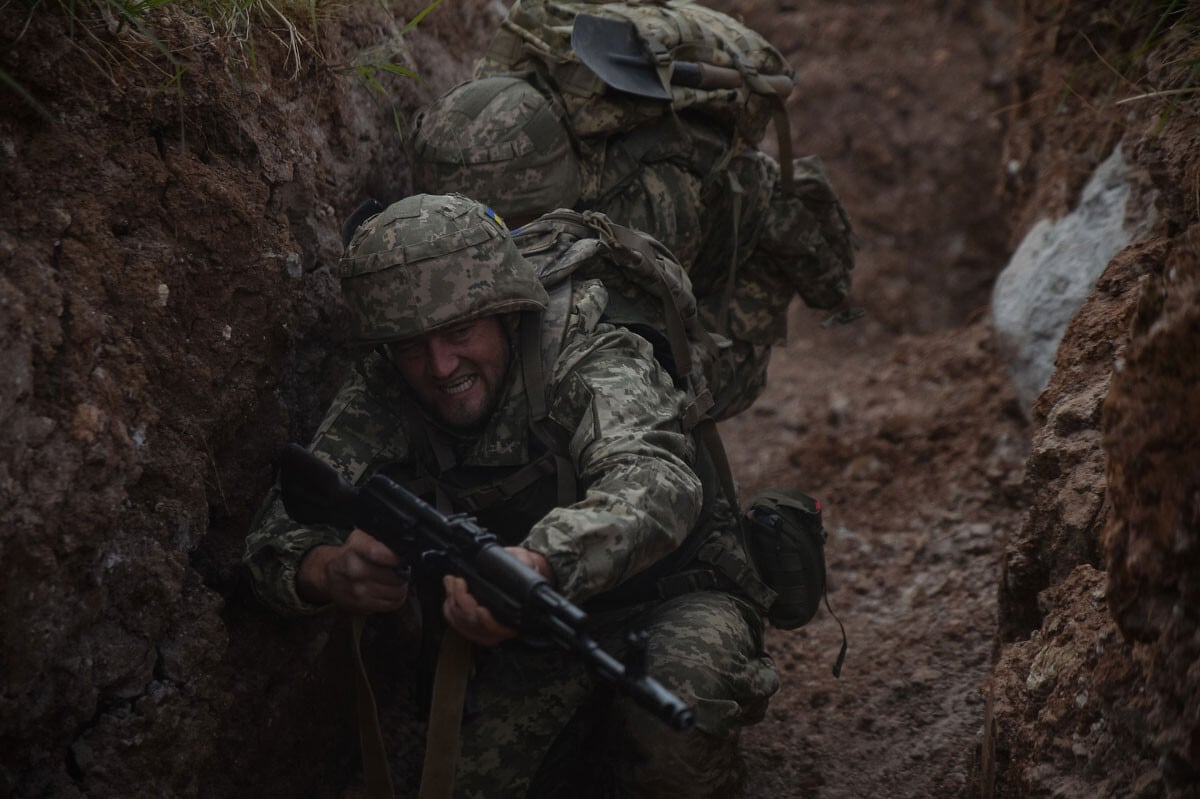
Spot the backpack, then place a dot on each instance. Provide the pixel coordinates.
(737, 77)
(649, 293)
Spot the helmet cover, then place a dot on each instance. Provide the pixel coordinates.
(429, 261)
(501, 140)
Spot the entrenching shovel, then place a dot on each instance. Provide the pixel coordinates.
(613, 49)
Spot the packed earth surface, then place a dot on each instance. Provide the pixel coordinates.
(1017, 582)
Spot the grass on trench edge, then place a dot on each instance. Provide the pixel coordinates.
(286, 20)
(1164, 63)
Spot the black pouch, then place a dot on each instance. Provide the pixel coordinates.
(785, 539)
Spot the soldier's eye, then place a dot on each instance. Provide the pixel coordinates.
(405, 351)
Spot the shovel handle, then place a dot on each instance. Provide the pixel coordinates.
(706, 76)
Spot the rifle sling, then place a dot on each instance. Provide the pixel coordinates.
(445, 717)
(376, 772)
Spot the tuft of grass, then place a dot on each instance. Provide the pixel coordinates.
(372, 65)
(293, 23)
(104, 32)
(109, 30)
(1144, 50)
(1165, 61)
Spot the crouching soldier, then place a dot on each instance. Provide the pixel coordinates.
(584, 470)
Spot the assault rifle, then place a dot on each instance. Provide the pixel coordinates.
(434, 544)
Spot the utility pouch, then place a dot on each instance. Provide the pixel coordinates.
(786, 541)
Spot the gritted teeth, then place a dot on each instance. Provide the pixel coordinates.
(459, 386)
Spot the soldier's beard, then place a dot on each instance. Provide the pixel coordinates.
(459, 376)
(467, 417)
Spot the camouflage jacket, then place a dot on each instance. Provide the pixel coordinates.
(639, 494)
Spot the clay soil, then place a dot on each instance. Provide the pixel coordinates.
(914, 446)
(903, 424)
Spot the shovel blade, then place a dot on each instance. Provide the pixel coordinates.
(613, 50)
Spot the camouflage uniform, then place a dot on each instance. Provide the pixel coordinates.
(676, 177)
(641, 498)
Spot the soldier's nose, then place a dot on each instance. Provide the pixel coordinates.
(443, 358)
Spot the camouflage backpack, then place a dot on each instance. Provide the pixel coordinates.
(695, 59)
(648, 290)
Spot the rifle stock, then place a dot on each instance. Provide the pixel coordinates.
(433, 543)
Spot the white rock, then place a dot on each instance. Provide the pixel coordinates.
(1053, 271)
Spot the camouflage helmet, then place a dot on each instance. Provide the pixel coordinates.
(501, 140)
(429, 261)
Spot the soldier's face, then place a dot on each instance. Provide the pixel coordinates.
(457, 373)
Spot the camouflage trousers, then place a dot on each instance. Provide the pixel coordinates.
(540, 726)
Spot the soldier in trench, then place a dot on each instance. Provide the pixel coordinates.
(443, 404)
(748, 242)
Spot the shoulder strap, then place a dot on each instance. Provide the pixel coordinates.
(540, 342)
(676, 330)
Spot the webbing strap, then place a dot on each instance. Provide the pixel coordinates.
(783, 132)
(443, 453)
(841, 658)
(707, 429)
(686, 582)
(735, 188)
(534, 368)
(567, 483)
(376, 772)
(676, 330)
(532, 41)
(418, 429)
(696, 410)
(531, 365)
(554, 324)
(442, 739)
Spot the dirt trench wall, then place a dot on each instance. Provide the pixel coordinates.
(909, 138)
(168, 319)
(1094, 691)
(1151, 427)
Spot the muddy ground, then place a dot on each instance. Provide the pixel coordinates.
(903, 424)
(914, 445)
